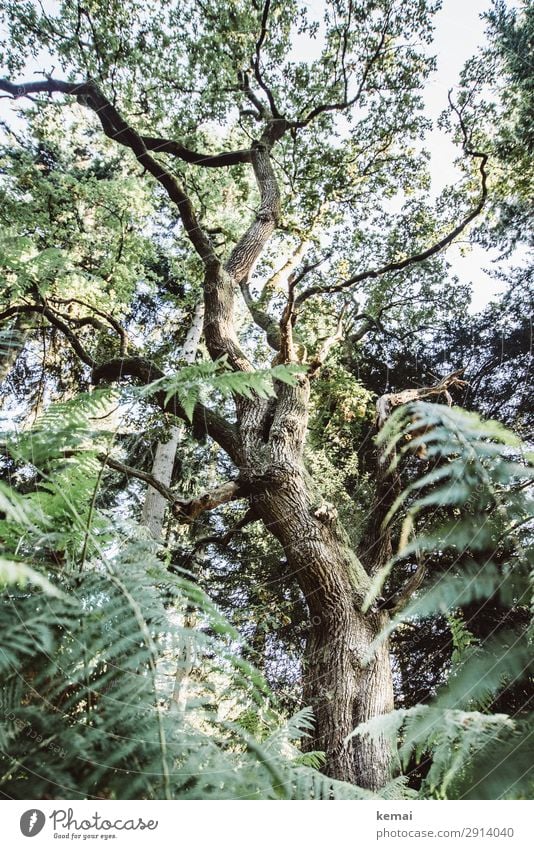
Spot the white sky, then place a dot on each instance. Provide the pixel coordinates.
(459, 33)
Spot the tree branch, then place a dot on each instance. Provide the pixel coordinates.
(280, 277)
(223, 539)
(116, 128)
(387, 403)
(347, 103)
(117, 326)
(206, 160)
(54, 319)
(326, 347)
(261, 317)
(414, 259)
(256, 62)
(205, 421)
(184, 509)
(402, 597)
(261, 111)
(287, 349)
(249, 247)
(220, 334)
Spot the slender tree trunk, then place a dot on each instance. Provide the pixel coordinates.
(153, 515)
(12, 342)
(155, 505)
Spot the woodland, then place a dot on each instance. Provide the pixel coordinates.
(265, 474)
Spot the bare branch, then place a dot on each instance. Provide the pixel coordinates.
(221, 337)
(183, 509)
(223, 539)
(189, 510)
(387, 403)
(287, 349)
(249, 247)
(132, 472)
(261, 317)
(261, 111)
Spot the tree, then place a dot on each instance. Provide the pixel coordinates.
(506, 65)
(218, 113)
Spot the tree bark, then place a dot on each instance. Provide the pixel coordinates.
(342, 682)
(155, 504)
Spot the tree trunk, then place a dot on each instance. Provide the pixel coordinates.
(12, 342)
(153, 515)
(342, 682)
(155, 504)
(344, 690)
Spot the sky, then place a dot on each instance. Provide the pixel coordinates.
(459, 32)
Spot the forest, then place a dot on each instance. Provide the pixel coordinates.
(265, 467)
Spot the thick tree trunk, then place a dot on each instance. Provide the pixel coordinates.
(342, 681)
(344, 689)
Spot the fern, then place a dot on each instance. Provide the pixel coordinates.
(199, 381)
(94, 633)
(472, 509)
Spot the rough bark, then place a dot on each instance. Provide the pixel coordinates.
(342, 686)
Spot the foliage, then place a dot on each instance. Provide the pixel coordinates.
(192, 384)
(510, 33)
(474, 501)
(86, 704)
(99, 269)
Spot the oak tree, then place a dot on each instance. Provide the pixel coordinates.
(278, 153)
